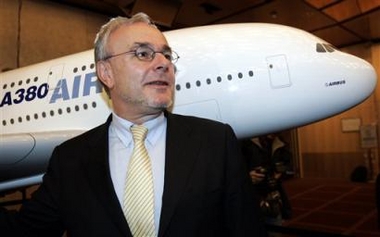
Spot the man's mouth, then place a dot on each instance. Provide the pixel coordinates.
(158, 83)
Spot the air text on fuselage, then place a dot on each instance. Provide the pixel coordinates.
(82, 85)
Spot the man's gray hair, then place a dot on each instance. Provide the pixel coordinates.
(101, 39)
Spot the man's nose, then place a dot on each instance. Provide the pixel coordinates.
(162, 61)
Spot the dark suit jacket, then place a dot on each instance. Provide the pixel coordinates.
(203, 195)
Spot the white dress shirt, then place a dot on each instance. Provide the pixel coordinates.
(120, 151)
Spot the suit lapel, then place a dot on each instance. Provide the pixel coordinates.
(178, 164)
(97, 169)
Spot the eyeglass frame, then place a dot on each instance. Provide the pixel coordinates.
(173, 55)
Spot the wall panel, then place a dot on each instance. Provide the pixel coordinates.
(338, 165)
(36, 31)
(8, 34)
(49, 30)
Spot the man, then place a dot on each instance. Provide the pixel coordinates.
(198, 175)
(268, 161)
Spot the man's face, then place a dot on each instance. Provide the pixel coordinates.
(136, 85)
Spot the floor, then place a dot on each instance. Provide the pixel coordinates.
(333, 206)
(329, 206)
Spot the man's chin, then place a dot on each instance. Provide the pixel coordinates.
(162, 104)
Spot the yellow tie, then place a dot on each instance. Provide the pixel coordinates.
(138, 194)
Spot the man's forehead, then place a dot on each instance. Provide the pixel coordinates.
(138, 33)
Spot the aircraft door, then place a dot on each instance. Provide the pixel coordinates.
(278, 71)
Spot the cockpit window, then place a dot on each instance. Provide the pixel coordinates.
(320, 48)
(323, 48)
(329, 47)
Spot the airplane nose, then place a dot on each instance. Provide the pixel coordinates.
(365, 77)
(352, 81)
(372, 75)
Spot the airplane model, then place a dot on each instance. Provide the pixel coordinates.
(257, 77)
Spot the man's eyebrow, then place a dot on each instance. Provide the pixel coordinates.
(147, 44)
(139, 44)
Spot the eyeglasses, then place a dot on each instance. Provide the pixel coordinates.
(145, 53)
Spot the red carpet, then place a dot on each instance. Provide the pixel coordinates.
(340, 207)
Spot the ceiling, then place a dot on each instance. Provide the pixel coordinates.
(340, 22)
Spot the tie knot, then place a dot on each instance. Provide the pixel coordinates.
(139, 132)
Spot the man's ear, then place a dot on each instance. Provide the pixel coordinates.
(104, 72)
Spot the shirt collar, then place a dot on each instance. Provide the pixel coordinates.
(155, 128)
